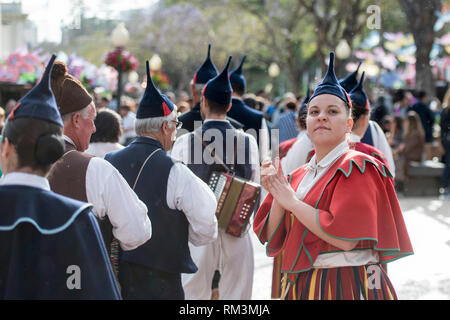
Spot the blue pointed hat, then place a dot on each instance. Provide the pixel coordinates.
(39, 102)
(359, 96)
(351, 80)
(330, 84)
(206, 71)
(153, 104)
(236, 75)
(219, 88)
(305, 102)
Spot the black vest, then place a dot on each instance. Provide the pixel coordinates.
(203, 170)
(167, 250)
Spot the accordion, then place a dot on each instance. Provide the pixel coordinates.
(236, 200)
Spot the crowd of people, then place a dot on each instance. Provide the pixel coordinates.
(125, 191)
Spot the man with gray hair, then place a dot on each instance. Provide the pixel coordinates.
(181, 206)
(80, 176)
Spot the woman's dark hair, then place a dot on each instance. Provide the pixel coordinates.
(38, 143)
(107, 126)
(358, 111)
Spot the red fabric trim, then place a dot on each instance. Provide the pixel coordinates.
(166, 109)
(11, 114)
(285, 146)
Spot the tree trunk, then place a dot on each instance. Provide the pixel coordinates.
(421, 19)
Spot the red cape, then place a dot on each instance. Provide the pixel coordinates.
(285, 146)
(373, 216)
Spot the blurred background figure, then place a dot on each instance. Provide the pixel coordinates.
(380, 110)
(10, 105)
(402, 101)
(412, 147)
(102, 104)
(250, 100)
(445, 140)
(2, 119)
(183, 106)
(395, 139)
(386, 124)
(171, 96)
(288, 121)
(107, 134)
(427, 119)
(128, 120)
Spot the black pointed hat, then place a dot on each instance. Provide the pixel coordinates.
(330, 84)
(153, 104)
(305, 102)
(219, 88)
(39, 102)
(236, 75)
(359, 96)
(206, 71)
(351, 80)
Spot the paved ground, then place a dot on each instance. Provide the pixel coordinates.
(424, 275)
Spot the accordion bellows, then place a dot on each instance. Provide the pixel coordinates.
(236, 201)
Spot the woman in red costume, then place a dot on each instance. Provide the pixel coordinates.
(337, 218)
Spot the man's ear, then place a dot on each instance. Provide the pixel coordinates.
(5, 147)
(165, 127)
(76, 120)
(229, 107)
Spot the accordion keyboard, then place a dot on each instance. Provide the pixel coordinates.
(217, 184)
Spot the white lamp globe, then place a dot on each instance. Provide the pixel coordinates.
(120, 36)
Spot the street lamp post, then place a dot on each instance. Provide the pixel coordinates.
(119, 39)
(155, 63)
(343, 52)
(274, 71)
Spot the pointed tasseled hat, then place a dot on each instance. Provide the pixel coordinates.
(330, 84)
(153, 104)
(39, 102)
(236, 75)
(206, 71)
(304, 105)
(219, 88)
(351, 80)
(359, 96)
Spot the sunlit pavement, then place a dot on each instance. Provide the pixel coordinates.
(424, 275)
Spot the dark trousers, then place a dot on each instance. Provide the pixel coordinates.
(446, 174)
(142, 283)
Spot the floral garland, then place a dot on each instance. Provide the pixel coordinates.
(121, 60)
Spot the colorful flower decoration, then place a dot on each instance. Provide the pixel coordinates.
(121, 60)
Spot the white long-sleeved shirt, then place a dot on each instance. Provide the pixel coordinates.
(111, 195)
(188, 193)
